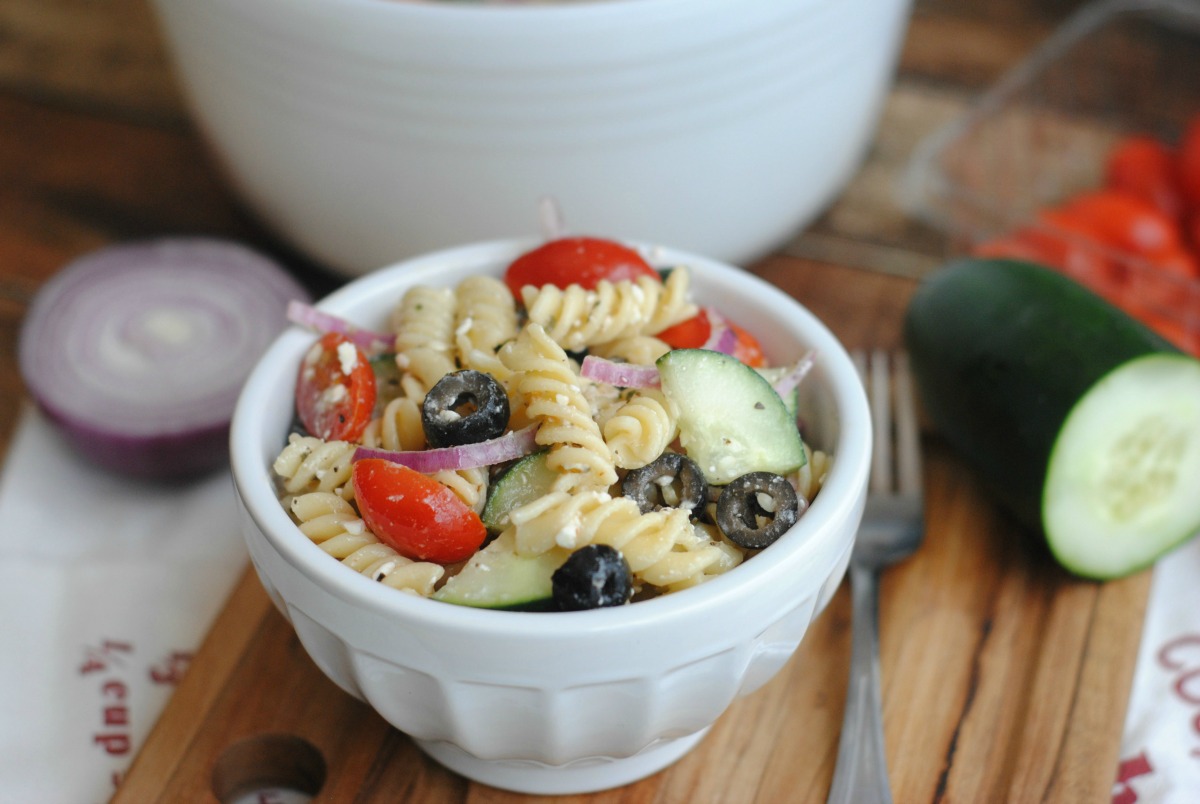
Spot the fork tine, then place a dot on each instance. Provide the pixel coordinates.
(908, 447)
(873, 372)
(881, 419)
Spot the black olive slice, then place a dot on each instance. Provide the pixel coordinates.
(594, 576)
(464, 407)
(646, 485)
(743, 518)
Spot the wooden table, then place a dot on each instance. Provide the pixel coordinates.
(1003, 677)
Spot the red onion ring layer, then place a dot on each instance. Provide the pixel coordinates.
(510, 446)
(138, 351)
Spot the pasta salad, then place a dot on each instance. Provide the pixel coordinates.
(577, 434)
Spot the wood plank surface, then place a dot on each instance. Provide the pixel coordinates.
(1004, 679)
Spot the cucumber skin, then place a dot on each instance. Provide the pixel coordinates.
(1001, 351)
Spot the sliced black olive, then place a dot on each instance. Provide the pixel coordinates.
(594, 576)
(464, 407)
(646, 485)
(743, 518)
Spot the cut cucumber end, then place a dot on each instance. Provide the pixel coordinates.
(1123, 481)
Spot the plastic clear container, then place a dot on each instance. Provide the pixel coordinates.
(1043, 133)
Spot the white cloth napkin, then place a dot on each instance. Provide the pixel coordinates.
(1160, 752)
(108, 586)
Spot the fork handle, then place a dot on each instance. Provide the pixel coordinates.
(861, 773)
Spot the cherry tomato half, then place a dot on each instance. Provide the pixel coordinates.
(335, 389)
(1145, 167)
(414, 514)
(694, 332)
(575, 260)
(689, 334)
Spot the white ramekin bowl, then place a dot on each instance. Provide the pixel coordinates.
(369, 131)
(561, 702)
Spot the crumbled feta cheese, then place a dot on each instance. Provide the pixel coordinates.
(347, 357)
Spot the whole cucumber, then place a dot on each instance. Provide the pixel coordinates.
(1081, 420)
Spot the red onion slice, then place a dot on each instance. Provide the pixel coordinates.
(507, 447)
(138, 351)
(625, 375)
(721, 337)
(792, 377)
(322, 322)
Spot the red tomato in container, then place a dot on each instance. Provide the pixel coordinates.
(1124, 222)
(335, 390)
(576, 260)
(414, 514)
(1145, 167)
(1188, 162)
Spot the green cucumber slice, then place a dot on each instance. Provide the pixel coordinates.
(525, 481)
(1124, 472)
(791, 399)
(731, 421)
(497, 577)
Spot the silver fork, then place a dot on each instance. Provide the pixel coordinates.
(892, 527)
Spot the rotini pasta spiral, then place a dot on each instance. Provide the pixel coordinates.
(552, 395)
(730, 556)
(424, 326)
(641, 350)
(486, 318)
(470, 485)
(309, 464)
(577, 318)
(641, 429)
(809, 478)
(398, 427)
(661, 547)
(334, 526)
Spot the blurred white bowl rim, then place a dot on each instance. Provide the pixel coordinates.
(368, 131)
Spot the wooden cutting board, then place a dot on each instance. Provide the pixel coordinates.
(1004, 678)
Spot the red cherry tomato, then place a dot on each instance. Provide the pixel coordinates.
(1124, 222)
(1145, 167)
(747, 348)
(690, 334)
(335, 389)
(414, 514)
(694, 333)
(1188, 162)
(575, 260)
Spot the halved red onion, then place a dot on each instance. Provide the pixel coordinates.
(510, 446)
(792, 377)
(137, 352)
(322, 322)
(625, 375)
(721, 337)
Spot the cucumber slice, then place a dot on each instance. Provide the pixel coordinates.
(523, 482)
(1124, 471)
(791, 399)
(1081, 421)
(497, 577)
(731, 421)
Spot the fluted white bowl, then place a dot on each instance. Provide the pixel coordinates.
(369, 131)
(560, 702)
